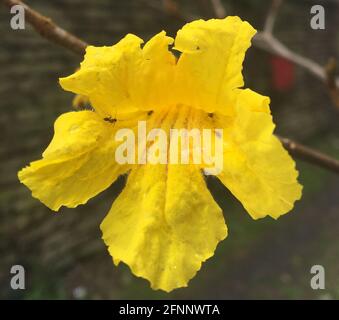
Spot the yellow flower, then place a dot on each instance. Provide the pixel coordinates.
(165, 223)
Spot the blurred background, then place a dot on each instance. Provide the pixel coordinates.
(63, 253)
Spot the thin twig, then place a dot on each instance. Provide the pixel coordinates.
(218, 8)
(266, 41)
(331, 72)
(74, 44)
(49, 30)
(310, 155)
(269, 43)
(271, 16)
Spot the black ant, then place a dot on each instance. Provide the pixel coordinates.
(110, 119)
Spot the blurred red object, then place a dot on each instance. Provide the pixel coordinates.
(282, 73)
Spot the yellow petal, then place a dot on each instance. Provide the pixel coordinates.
(257, 169)
(125, 77)
(164, 224)
(210, 65)
(78, 164)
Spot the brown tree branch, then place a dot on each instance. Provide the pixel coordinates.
(310, 155)
(331, 72)
(219, 9)
(49, 30)
(58, 35)
(271, 16)
(266, 41)
(269, 43)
